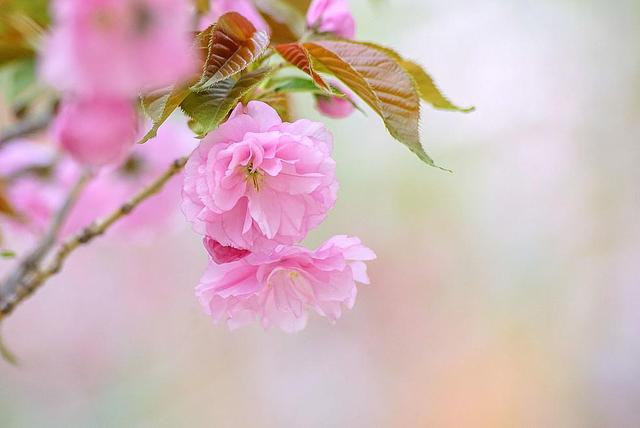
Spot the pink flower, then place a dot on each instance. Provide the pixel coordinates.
(257, 182)
(336, 107)
(27, 165)
(243, 7)
(221, 254)
(96, 131)
(331, 16)
(118, 47)
(280, 288)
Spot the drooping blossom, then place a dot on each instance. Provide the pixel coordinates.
(279, 289)
(96, 131)
(334, 106)
(245, 8)
(332, 16)
(118, 47)
(257, 182)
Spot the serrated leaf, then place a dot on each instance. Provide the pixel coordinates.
(159, 106)
(234, 43)
(429, 91)
(297, 55)
(377, 78)
(427, 88)
(208, 108)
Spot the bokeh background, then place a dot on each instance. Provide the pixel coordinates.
(504, 295)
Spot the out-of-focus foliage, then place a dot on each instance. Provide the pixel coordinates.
(21, 24)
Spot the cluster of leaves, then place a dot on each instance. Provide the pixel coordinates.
(237, 66)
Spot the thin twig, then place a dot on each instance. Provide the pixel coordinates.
(16, 284)
(9, 302)
(24, 128)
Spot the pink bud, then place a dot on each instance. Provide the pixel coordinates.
(332, 16)
(96, 131)
(334, 107)
(221, 254)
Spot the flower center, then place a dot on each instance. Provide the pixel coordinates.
(254, 175)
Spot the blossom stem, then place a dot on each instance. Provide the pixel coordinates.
(11, 296)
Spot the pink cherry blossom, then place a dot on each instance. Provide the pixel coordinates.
(331, 16)
(118, 47)
(245, 8)
(96, 131)
(257, 182)
(334, 107)
(281, 287)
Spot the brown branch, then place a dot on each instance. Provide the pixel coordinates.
(15, 284)
(8, 302)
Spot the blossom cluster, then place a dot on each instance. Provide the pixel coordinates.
(253, 188)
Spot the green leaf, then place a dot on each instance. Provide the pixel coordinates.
(296, 84)
(159, 106)
(233, 44)
(208, 108)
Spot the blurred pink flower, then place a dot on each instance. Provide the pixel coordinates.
(280, 288)
(118, 47)
(245, 8)
(257, 182)
(336, 107)
(96, 131)
(332, 16)
(25, 165)
(114, 186)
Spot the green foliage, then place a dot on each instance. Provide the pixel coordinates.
(160, 106)
(21, 25)
(208, 108)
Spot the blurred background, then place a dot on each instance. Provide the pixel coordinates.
(505, 294)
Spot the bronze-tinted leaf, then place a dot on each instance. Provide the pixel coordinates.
(159, 106)
(281, 32)
(208, 108)
(233, 45)
(429, 91)
(377, 78)
(296, 54)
